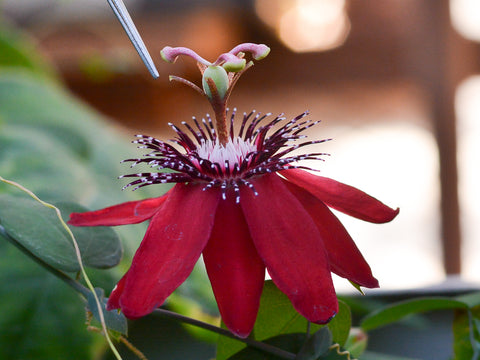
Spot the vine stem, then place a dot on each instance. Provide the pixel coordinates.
(79, 259)
(253, 343)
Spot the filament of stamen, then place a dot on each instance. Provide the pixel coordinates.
(234, 152)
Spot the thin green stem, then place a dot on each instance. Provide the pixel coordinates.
(250, 342)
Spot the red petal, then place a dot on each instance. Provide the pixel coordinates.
(342, 197)
(344, 256)
(132, 212)
(113, 300)
(172, 245)
(290, 245)
(235, 270)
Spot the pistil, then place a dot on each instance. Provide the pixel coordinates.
(219, 77)
(220, 109)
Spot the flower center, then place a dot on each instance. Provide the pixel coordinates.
(233, 152)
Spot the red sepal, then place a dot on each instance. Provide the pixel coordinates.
(235, 270)
(344, 256)
(342, 197)
(291, 247)
(172, 245)
(132, 212)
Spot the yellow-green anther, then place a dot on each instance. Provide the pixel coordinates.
(234, 66)
(261, 52)
(220, 79)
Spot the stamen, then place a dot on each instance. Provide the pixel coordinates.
(199, 156)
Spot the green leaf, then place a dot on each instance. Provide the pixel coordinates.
(395, 312)
(162, 338)
(79, 162)
(276, 316)
(341, 324)
(316, 345)
(356, 343)
(32, 158)
(16, 51)
(114, 320)
(38, 229)
(472, 299)
(358, 287)
(99, 246)
(369, 355)
(93, 147)
(462, 346)
(42, 318)
(466, 336)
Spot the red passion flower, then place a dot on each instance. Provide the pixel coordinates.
(242, 201)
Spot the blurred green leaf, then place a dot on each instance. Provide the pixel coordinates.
(99, 246)
(16, 50)
(316, 345)
(471, 300)
(356, 343)
(397, 311)
(466, 336)
(80, 161)
(462, 345)
(277, 316)
(41, 318)
(38, 229)
(369, 355)
(42, 164)
(340, 325)
(79, 137)
(163, 338)
(196, 288)
(288, 342)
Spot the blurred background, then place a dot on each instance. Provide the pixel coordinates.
(394, 82)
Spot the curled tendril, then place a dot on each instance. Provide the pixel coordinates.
(339, 351)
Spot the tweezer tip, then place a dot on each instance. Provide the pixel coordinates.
(123, 16)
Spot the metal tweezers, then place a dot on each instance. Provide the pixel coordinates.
(123, 16)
